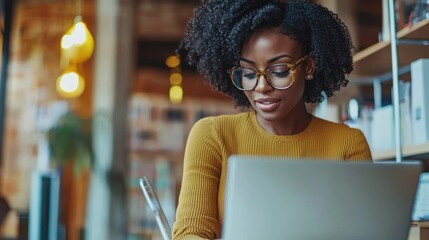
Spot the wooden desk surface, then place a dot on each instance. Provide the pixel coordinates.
(419, 231)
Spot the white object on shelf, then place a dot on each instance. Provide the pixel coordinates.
(382, 129)
(420, 100)
(406, 119)
(407, 124)
(365, 122)
(328, 111)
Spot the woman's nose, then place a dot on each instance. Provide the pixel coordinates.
(262, 84)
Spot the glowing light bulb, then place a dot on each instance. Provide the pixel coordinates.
(176, 94)
(66, 41)
(176, 79)
(77, 44)
(172, 61)
(70, 85)
(80, 33)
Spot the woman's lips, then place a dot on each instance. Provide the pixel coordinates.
(267, 104)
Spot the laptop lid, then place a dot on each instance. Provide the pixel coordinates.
(274, 198)
(154, 204)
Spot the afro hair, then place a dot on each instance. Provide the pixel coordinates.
(214, 37)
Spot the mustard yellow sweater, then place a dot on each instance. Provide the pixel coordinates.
(200, 209)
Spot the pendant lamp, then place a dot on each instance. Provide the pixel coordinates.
(77, 44)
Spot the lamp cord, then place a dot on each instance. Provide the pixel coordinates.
(79, 7)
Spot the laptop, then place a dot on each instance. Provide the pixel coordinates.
(275, 198)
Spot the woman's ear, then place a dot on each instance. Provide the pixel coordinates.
(310, 67)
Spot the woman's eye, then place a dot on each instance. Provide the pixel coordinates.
(249, 75)
(280, 72)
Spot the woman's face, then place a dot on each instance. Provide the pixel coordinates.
(266, 48)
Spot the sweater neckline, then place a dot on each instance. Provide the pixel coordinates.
(262, 132)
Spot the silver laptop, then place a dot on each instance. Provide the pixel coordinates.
(272, 198)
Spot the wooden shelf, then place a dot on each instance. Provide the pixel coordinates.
(424, 224)
(417, 152)
(376, 59)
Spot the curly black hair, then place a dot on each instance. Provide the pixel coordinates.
(215, 34)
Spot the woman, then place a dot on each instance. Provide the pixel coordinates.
(271, 56)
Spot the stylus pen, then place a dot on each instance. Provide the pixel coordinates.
(153, 202)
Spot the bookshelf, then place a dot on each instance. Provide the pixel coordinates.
(157, 136)
(420, 151)
(376, 60)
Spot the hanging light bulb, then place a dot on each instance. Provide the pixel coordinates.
(172, 61)
(176, 78)
(70, 84)
(77, 44)
(176, 94)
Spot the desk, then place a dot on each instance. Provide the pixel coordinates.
(419, 231)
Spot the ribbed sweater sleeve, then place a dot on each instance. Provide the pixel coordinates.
(359, 149)
(197, 215)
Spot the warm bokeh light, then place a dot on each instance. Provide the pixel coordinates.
(66, 41)
(176, 79)
(176, 94)
(70, 85)
(172, 61)
(77, 44)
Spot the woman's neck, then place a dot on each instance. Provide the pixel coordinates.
(289, 125)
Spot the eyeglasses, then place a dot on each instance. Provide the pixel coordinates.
(277, 76)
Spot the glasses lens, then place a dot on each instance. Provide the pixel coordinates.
(244, 78)
(280, 76)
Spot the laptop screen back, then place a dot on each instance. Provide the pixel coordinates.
(272, 198)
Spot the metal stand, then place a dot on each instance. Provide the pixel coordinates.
(396, 103)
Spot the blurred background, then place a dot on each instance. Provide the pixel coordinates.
(93, 97)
